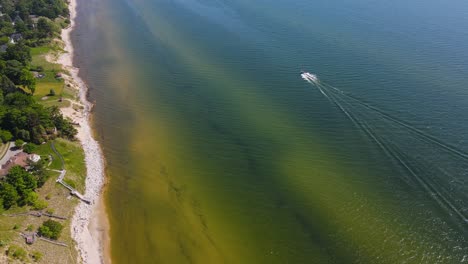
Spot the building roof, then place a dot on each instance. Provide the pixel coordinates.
(19, 159)
(34, 158)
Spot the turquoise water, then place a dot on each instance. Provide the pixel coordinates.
(218, 151)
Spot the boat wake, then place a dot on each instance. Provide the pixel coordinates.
(438, 169)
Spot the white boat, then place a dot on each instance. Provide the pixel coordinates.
(309, 77)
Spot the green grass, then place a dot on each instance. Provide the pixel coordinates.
(48, 82)
(40, 50)
(38, 59)
(74, 162)
(44, 150)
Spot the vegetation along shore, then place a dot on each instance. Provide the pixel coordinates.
(52, 170)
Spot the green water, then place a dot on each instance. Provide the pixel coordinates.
(218, 152)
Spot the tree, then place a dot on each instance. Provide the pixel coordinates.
(19, 52)
(39, 171)
(50, 229)
(21, 27)
(19, 143)
(5, 136)
(24, 183)
(27, 80)
(6, 85)
(46, 28)
(4, 40)
(29, 147)
(13, 70)
(9, 195)
(31, 198)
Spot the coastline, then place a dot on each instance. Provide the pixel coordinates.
(89, 226)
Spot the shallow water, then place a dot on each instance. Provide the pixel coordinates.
(218, 151)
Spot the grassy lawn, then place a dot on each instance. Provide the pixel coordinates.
(73, 156)
(74, 162)
(48, 82)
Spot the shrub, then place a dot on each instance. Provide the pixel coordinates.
(36, 256)
(16, 252)
(50, 229)
(16, 226)
(5, 136)
(39, 204)
(30, 228)
(29, 148)
(19, 143)
(52, 92)
(9, 195)
(50, 211)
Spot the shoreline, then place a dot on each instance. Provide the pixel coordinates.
(89, 226)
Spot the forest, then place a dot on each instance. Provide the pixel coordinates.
(25, 24)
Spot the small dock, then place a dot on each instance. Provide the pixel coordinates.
(71, 189)
(62, 175)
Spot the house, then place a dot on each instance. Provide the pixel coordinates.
(14, 38)
(34, 158)
(17, 19)
(20, 159)
(34, 19)
(30, 238)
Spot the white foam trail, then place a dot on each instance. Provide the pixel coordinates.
(338, 97)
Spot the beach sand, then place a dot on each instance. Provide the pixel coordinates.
(89, 227)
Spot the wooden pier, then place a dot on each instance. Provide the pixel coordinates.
(62, 175)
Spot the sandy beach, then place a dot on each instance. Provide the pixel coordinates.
(89, 226)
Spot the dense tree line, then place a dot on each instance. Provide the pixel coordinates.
(18, 187)
(21, 117)
(31, 20)
(46, 8)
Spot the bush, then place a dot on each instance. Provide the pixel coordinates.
(9, 195)
(5, 136)
(29, 148)
(36, 256)
(50, 211)
(39, 204)
(19, 143)
(16, 252)
(52, 92)
(30, 228)
(50, 229)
